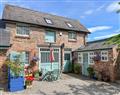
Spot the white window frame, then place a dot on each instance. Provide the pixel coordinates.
(69, 24)
(46, 40)
(72, 37)
(91, 56)
(104, 55)
(39, 50)
(80, 55)
(20, 34)
(48, 21)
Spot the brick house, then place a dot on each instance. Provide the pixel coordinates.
(109, 58)
(34, 32)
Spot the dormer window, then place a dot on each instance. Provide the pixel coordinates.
(69, 24)
(48, 21)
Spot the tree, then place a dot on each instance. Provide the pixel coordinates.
(115, 39)
(118, 11)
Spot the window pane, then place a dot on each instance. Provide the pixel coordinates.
(45, 53)
(48, 21)
(23, 29)
(69, 25)
(72, 35)
(104, 55)
(56, 56)
(27, 57)
(50, 37)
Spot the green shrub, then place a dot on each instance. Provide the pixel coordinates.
(77, 68)
(90, 71)
(36, 74)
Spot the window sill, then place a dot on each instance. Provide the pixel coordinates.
(50, 42)
(104, 60)
(72, 40)
(22, 36)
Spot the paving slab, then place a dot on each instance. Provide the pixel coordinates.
(70, 84)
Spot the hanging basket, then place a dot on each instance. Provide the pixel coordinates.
(97, 58)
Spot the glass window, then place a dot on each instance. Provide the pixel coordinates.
(104, 55)
(72, 35)
(45, 53)
(27, 57)
(91, 56)
(69, 25)
(48, 21)
(80, 57)
(50, 36)
(23, 30)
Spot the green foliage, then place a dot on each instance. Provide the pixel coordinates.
(36, 74)
(77, 68)
(90, 71)
(15, 66)
(114, 40)
(70, 67)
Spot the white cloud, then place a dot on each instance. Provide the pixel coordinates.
(88, 12)
(99, 28)
(82, 16)
(100, 8)
(106, 36)
(113, 7)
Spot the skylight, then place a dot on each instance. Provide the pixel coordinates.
(48, 21)
(69, 25)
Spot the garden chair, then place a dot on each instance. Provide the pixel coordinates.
(47, 75)
(56, 74)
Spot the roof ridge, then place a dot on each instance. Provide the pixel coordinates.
(40, 12)
(98, 40)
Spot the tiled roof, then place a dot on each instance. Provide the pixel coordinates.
(96, 45)
(15, 13)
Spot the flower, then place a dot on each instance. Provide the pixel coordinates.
(35, 58)
(29, 78)
(97, 57)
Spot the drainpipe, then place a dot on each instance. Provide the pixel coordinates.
(62, 52)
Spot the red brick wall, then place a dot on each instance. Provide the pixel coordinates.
(3, 70)
(107, 67)
(37, 36)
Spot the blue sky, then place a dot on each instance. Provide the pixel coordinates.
(99, 16)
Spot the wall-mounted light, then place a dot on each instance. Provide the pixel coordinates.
(60, 34)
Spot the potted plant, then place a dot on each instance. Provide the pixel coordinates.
(77, 68)
(28, 80)
(91, 72)
(15, 74)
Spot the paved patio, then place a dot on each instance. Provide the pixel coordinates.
(70, 84)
